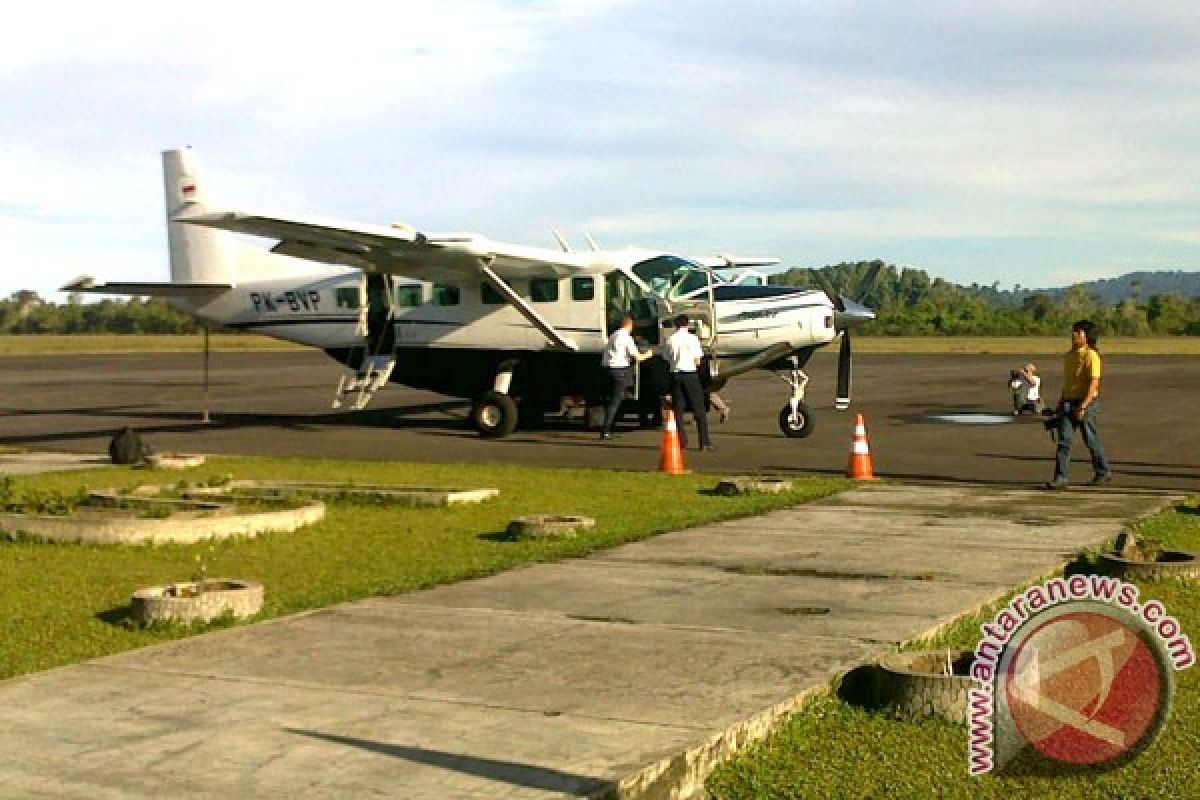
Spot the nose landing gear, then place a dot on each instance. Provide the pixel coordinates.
(795, 418)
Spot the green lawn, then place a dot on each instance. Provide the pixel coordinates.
(92, 343)
(835, 750)
(60, 604)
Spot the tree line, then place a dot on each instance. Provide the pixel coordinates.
(908, 302)
(25, 312)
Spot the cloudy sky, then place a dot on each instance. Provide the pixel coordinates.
(1023, 142)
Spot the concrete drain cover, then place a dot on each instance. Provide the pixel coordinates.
(186, 513)
(1161, 565)
(972, 418)
(927, 683)
(393, 493)
(539, 526)
(153, 514)
(750, 485)
(196, 601)
(175, 460)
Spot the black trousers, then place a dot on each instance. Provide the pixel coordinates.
(621, 379)
(685, 387)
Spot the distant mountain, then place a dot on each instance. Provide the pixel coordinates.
(1138, 285)
(909, 302)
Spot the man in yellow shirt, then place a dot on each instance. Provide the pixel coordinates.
(1079, 405)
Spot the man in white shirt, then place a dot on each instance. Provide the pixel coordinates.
(620, 354)
(684, 354)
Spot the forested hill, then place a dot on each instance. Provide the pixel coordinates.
(1138, 285)
(909, 302)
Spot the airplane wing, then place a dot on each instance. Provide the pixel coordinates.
(400, 249)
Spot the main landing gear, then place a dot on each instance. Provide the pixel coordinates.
(495, 413)
(795, 418)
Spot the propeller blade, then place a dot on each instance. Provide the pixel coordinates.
(827, 287)
(845, 364)
(868, 282)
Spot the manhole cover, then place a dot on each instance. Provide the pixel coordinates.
(969, 418)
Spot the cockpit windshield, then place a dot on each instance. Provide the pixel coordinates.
(671, 276)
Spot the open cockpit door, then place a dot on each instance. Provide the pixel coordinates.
(374, 360)
(684, 287)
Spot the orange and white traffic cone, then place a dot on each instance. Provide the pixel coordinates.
(859, 467)
(671, 461)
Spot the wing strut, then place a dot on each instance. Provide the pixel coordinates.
(526, 310)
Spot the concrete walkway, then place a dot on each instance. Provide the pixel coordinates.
(626, 674)
(37, 463)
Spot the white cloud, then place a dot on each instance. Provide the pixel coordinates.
(1028, 140)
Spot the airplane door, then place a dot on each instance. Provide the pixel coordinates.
(374, 361)
(361, 327)
(694, 296)
(380, 329)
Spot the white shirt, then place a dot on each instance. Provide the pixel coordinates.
(1031, 389)
(620, 350)
(683, 351)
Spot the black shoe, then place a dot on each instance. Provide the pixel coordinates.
(1054, 486)
(1100, 480)
(606, 436)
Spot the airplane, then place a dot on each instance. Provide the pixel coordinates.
(517, 330)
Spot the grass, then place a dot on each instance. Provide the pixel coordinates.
(60, 604)
(98, 343)
(49, 344)
(835, 750)
(1024, 345)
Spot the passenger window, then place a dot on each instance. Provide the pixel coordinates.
(583, 288)
(543, 290)
(489, 296)
(445, 294)
(346, 297)
(410, 295)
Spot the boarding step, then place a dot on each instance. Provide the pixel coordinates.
(361, 387)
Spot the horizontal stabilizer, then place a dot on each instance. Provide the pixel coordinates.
(191, 291)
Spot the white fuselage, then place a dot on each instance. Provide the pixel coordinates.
(329, 311)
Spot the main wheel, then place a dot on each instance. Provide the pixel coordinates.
(495, 415)
(800, 426)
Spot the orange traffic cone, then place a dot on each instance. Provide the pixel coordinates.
(859, 467)
(671, 461)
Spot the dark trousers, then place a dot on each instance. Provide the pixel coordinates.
(1091, 438)
(685, 387)
(621, 380)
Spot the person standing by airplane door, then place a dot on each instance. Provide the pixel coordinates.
(620, 355)
(684, 354)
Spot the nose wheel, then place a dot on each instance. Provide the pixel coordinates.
(798, 422)
(795, 418)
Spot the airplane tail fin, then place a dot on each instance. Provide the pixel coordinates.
(198, 255)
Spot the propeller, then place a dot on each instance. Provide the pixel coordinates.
(845, 364)
(847, 313)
